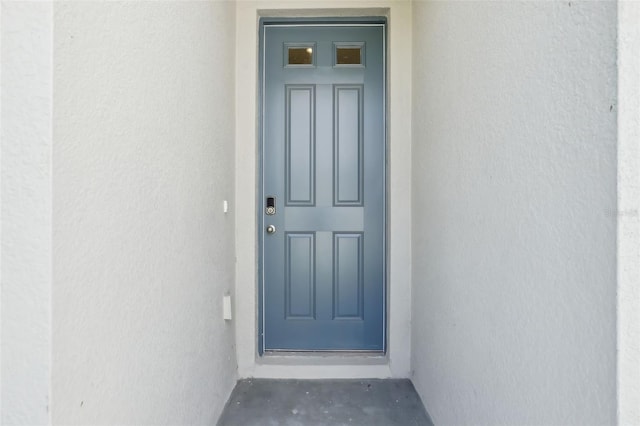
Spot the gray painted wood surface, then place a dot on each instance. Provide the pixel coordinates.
(324, 162)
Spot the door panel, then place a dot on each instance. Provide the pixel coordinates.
(347, 275)
(323, 160)
(300, 276)
(348, 150)
(300, 146)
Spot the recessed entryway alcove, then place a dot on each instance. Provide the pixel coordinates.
(129, 165)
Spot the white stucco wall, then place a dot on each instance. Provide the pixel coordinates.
(26, 37)
(514, 211)
(628, 213)
(396, 361)
(514, 215)
(143, 253)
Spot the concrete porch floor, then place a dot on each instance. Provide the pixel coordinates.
(275, 402)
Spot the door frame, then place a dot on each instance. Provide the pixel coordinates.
(263, 23)
(397, 361)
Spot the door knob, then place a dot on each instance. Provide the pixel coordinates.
(271, 229)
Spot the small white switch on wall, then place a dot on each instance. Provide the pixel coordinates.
(226, 307)
(225, 206)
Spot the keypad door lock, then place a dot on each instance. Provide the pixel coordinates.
(270, 206)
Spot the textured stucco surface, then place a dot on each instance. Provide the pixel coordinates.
(514, 211)
(26, 34)
(628, 213)
(514, 201)
(143, 253)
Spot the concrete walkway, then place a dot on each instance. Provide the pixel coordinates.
(267, 402)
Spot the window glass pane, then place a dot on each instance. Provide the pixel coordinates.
(300, 56)
(348, 56)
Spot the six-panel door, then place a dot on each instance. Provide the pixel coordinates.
(323, 166)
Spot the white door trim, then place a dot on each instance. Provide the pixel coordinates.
(396, 363)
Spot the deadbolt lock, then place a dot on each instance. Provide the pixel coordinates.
(270, 206)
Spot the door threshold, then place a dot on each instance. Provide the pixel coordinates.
(322, 365)
(323, 353)
(323, 358)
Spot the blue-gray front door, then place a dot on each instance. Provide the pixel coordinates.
(322, 212)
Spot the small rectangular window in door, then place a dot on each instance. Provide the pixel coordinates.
(299, 54)
(348, 54)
